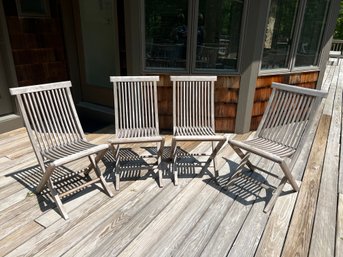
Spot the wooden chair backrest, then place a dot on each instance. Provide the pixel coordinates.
(49, 115)
(135, 104)
(193, 101)
(289, 114)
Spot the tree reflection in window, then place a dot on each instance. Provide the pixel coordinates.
(311, 32)
(279, 34)
(213, 34)
(166, 33)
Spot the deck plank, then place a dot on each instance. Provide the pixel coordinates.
(249, 237)
(243, 196)
(323, 238)
(15, 239)
(192, 219)
(299, 235)
(339, 232)
(55, 238)
(273, 238)
(115, 238)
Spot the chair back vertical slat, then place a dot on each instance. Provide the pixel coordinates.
(193, 103)
(151, 123)
(302, 122)
(75, 125)
(49, 115)
(43, 110)
(293, 119)
(135, 101)
(66, 130)
(156, 122)
(32, 119)
(31, 127)
(212, 105)
(287, 115)
(36, 121)
(55, 130)
(297, 121)
(59, 128)
(284, 117)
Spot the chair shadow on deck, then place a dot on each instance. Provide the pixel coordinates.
(133, 161)
(64, 179)
(189, 165)
(246, 189)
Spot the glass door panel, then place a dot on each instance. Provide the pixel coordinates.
(279, 34)
(98, 49)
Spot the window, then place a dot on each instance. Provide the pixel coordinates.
(166, 33)
(178, 38)
(218, 31)
(294, 33)
(311, 32)
(279, 33)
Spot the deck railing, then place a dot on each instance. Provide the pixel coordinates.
(337, 45)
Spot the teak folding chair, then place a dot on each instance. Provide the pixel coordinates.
(281, 133)
(57, 137)
(193, 116)
(136, 121)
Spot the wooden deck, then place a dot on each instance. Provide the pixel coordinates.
(195, 218)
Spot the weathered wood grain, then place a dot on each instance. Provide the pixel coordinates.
(339, 228)
(62, 235)
(323, 238)
(276, 229)
(299, 235)
(227, 222)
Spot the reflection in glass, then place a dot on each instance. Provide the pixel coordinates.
(311, 32)
(166, 33)
(279, 32)
(219, 25)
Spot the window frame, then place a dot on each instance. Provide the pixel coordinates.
(193, 10)
(291, 68)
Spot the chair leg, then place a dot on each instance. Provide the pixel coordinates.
(57, 200)
(160, 147)
(100, 176)
(242, 155)
(239, 169)
(212, 157)
(46, 176)
(276, 194)
(173, 156)
(116, 169)
(98, 157)
(117, 180)
(175, 173)
(288, 177)
(216, 173)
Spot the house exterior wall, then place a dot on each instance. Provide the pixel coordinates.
(37, 46)
(44, 50)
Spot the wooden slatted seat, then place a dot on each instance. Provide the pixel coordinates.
(136, 121)
(281, 133)
(193, 116)
(56, 135)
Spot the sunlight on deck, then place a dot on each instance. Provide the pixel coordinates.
(195, 218)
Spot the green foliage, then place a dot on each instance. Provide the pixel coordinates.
(339, 25)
